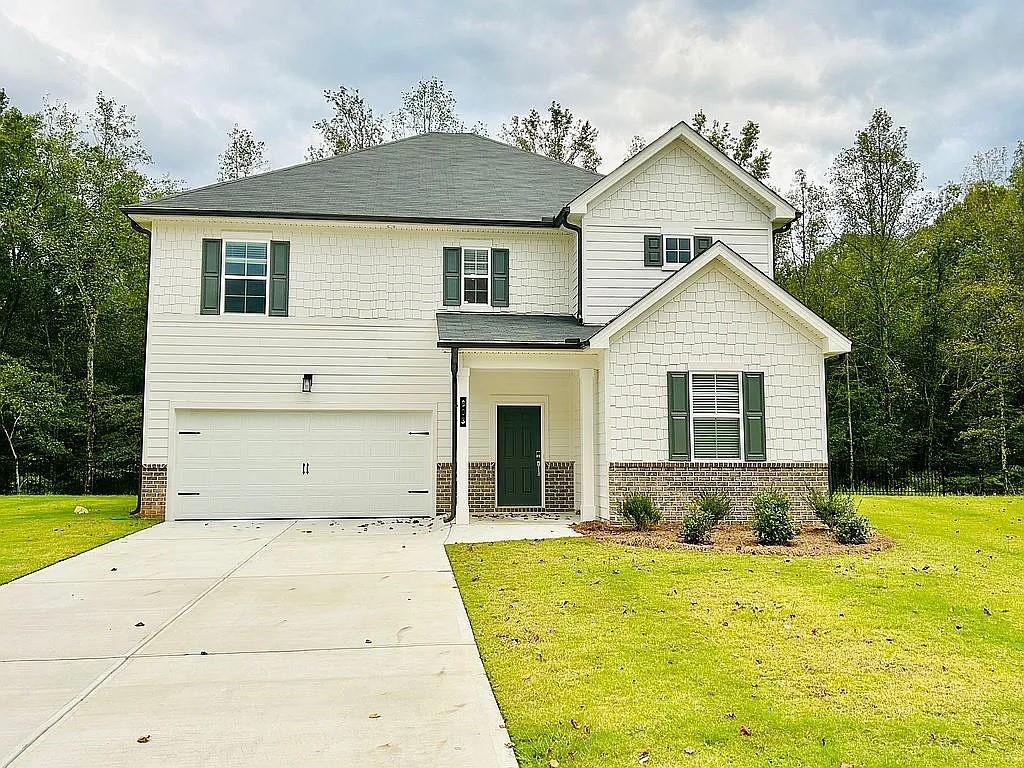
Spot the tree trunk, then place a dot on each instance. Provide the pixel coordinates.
(849, 418)
(1003, 461)
(90, 401)
(14, 457)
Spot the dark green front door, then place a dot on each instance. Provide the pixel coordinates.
(519, 458)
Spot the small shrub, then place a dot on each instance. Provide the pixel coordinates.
(697, 525)
(830, 506)
(851, 529)
(773, 524)
(641, 511)
(716, 503)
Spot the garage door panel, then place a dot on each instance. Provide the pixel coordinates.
(238, 464)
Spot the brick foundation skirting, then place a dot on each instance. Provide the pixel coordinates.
(673, 485)
(559, 488)
(154, 490)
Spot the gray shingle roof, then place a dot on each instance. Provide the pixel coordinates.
(501, 329)
(450, 177)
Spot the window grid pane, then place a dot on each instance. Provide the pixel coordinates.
(715, 393)
(476, 263)
(677, 250)
(716, 438)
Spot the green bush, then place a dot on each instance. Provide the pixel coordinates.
(697, 525)
(852, 528)
(830, 506)
(773, 523)
(715, 503)
(839, 511)
(641, 511)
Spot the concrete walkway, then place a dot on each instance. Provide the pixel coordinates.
(313, 643)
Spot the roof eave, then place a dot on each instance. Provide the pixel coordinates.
(136, 210)
(484, 344)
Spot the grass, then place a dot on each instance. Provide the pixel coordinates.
(36, 531)
(601, 655)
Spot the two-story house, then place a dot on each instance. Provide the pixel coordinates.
(449, 322)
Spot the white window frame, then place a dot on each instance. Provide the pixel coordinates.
(224, 277)
(694, 417)
(487, 277)
(674, 265)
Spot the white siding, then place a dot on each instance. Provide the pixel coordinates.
(556, 391)
(362, 305)
(714, 324)
(677, 193)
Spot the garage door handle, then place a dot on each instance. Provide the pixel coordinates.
(188, 493)
(419, 433)
(419, 491)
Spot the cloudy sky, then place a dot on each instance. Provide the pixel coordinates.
(810, 72)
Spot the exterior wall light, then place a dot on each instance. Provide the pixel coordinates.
(307, 382)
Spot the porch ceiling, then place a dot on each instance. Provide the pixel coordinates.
(505, 330)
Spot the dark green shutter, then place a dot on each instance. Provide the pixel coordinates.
(701, 243)
(280, 253)
(209, 295)
(499, 277)
(652, 251)
(754, 446)
(678, 417)
(452, 266)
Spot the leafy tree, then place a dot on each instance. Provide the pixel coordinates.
(636, 146)
(353, 126)
(427, 107)
(244, 155)
(89, 244)
(558, 135)
(31, 407)
(745, 148)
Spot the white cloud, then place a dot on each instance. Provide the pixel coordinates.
(809, 73)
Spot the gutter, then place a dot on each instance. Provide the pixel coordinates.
(567, 344)
(562, 220)
(545, 223)
(455, 434)
(145, 346)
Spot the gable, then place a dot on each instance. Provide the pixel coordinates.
(678, 185)
(720, 258)
(717, 313)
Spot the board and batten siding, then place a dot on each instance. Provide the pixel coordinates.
(362, 306)
(715, 325)
(676, 193)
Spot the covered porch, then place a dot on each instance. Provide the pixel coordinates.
(524, 407)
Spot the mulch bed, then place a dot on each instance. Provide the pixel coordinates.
(732, 537)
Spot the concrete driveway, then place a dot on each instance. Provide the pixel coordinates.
(250, 644)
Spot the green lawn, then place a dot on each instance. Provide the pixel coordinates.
(36, 531)
(910, 657)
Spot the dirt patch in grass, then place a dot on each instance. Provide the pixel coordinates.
(732, 537)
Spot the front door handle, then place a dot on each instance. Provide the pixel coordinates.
(538, 463)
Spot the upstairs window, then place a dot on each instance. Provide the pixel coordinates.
(716, 415)
(476, 273)
(678, 250)
(245, 277)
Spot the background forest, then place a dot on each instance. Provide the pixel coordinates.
(926, 281)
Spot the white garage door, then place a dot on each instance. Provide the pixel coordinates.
(247, 464)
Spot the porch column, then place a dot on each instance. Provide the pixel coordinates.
(462, 450)
(588, 509)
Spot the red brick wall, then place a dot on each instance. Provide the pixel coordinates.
(559, 487)
(154, 490)
(672, 485)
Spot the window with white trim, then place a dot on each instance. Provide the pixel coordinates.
(678, 250)
(245, 277)
(476, 275)
(716, 416)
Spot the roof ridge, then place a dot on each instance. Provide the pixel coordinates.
(528, 152)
